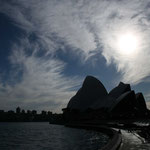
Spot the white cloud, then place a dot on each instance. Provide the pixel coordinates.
(134, 68)
(83, 25)
(42, 81)
(52, 17)
(148, 105)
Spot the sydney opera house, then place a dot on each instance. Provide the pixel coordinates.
(93, 101)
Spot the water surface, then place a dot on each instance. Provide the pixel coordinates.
(43, 136)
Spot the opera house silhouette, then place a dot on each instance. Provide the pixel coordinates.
(93, 101)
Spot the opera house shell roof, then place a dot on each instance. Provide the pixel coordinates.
(93, 95)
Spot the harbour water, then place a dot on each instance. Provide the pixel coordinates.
(43, 136)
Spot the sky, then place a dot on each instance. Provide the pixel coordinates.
(48, 47)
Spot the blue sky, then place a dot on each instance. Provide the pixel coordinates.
(48, 47)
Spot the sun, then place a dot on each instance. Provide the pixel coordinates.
(127, 43)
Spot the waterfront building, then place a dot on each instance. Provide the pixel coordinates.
(92, 101)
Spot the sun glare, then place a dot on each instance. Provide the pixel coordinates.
(127, 43)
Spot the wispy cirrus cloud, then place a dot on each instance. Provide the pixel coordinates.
(42, 81)
(148, 105)
(51, 19)
(90, 26)
(86, 27)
